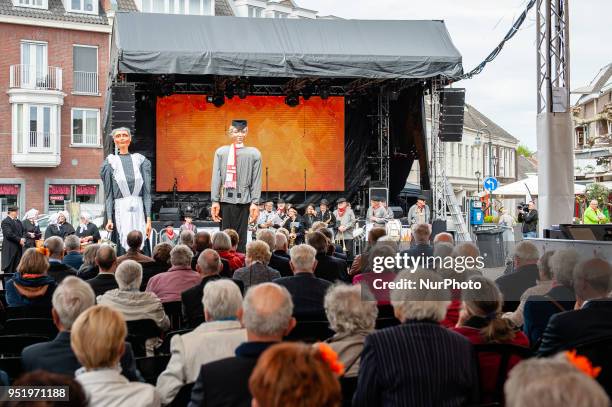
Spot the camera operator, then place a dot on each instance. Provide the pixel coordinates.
(528, 216)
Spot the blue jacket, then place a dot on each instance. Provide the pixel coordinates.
(21, 292)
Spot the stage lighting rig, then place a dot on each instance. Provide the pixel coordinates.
(230, 90)
(243, 88)
(307, 91)
(324, 90)
(217, 98)
(292, 99)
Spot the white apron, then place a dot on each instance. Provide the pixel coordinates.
(129, 210)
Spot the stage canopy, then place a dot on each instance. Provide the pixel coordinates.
(282, 48)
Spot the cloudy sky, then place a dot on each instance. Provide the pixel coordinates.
(506, 90)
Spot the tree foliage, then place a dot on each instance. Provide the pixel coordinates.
(524, 151)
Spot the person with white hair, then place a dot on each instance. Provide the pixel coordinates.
(552, 382)
(169, 285)
(73, 256)
(277, 261)
(424, 363)
(87, 231)
(352, 319)
(31, 230)
(592, 318)
(59, 226)
(525, 275)
(559, 298)
(444, 237)
(267, 316)
(421, 234)
(216, 338)
(187, 238)
(72, 297)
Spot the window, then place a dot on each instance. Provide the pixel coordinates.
(256, 12)
(33, 124)
(280, 14)
(32, 3)
(84, 6)
(59, 195)
(85, 69)
(9, 195)
(85, 127)
(33, 64)
(194, 7)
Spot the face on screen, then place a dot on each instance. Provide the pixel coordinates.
(237, 135)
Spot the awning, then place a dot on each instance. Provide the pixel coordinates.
(291, 48)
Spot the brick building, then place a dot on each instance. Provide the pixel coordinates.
(53, 74)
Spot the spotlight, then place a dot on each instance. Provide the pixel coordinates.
(292, 99)
(307, 91)
(324, 91)
(243, 89)
(394, 95)
(217, 99)
(229, 90)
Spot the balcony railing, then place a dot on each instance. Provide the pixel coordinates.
(85, 82)
(35, 77)
(85, 139)
(39, 140)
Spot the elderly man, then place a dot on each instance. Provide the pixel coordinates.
(13, 242)
(328, 267)
(592, 319)
(525, 275)
(73, 256)
(257, 270)
(593, 215)
(268, 217)
(215, 339)
(187, 238)
(277, 262)
(307, 290)
(134, 242)
(444, 237)
(281, 246)
(421, 247)
(70, 299)
(345, 223)
(419, 213)
(106, 260)
(57, 269)
(417, 363)
(168, 286)
(267, 310)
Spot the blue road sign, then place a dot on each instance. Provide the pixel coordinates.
(490, 184)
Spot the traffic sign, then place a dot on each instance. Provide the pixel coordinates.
(490, 184)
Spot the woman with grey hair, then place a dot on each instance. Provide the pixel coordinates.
(256, 270)
(352, 319)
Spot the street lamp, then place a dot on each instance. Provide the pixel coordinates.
(477, 173)
(478, 142)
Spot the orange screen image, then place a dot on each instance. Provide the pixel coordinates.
(307, 137)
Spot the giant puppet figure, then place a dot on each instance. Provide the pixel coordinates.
(235, 188)
(127, 189)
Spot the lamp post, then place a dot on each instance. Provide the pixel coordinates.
(477, 174)
(478, 142)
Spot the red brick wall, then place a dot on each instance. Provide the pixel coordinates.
(59, 48)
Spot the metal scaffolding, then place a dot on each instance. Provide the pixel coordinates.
(437, 156)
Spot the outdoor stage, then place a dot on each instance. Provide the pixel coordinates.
(330, 116)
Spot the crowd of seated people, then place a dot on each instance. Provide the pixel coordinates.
(242, 316)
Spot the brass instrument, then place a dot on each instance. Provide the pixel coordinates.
(338, 239)
(329, 218)
(292, 236)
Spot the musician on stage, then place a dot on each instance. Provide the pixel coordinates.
(377, 214)
(268, 218)
(310, 217)
(236, 183)
(295, 225)
(345, 223)
(419, 213)
(325, 215)
(281, 212)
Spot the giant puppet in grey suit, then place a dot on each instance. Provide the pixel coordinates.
(236, 183)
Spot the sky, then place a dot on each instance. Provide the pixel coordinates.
(506, 90)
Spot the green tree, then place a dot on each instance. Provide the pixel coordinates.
(524, 151)
(597, 191)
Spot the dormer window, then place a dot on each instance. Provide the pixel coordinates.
(82, 6)
(31, 3)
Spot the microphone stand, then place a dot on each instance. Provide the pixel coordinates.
(304, 186)
(174, 190)
(267, 186)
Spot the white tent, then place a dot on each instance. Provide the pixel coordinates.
(525, 188)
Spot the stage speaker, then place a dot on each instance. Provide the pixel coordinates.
(452, 103)
(173, 214)
(122, 110)
(379, 193)
(398, 212)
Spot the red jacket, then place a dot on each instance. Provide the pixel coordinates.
(452, 312)
(234, 261)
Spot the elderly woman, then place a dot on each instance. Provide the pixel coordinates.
(31, 286)
(257, 270)
(352, 319)
(222, 243)
(420, 362)
(235, 239)
(31, 231)
(87, 231)
(59, 226)
(89, 268)
(98, 341)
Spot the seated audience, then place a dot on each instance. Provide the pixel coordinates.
(417, 363)
(215, 339)
(168, 286)
(257, 269)
(132, 303)
(223, 245)
(89, 269)
(187, 238)
(57, 268)
(281, 246)
(59, 226)
(560, 298)
(106, 260)
(307, 290)
(160, 263)
(361, 260)
(480, 322)
(135, 241)
(71, 298)
(87, 232)
(543, 285)
(98, 340)
(209, 267)
(335, 250)
(592, 318)
(267, 310)
(277, 262)
(295, 374)
(40, 378)
(73, 256)
(552, 383)
(444, 237)
(328, 267)
(235, 239)
(442, 250)
(201, 242)
(168, 235)
(525, 275)
(370, 274)
(420, 237)
(30, 285)
(352, 319)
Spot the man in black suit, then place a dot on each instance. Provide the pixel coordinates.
(277, 262)
(328, 267)
(72, 297)
(209, 267)
(281, 247)
(525, 275)
(106, 260)
(266, 315)
(593, 320)
(57, 269)
(420, 362)
(12, 245)
(307, 291)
